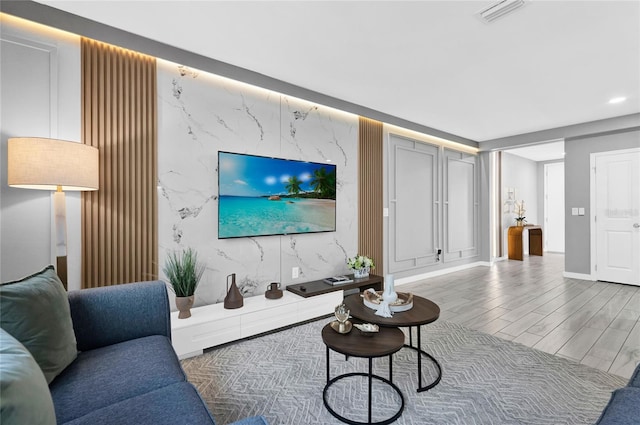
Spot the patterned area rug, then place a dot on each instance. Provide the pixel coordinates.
(486, 380)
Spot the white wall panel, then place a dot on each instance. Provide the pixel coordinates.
(413, 203)
(460, 206)
(39, 97)
(433, 206)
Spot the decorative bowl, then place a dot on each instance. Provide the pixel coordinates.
(372, 299)
(367, 329)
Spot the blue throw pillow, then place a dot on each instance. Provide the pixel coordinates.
(35, 311)
(25, 395)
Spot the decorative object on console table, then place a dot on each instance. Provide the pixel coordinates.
(361, 266)
(184, 273)
(343, 324)
(520, 219)
(56, 165)
(234, 297)
(273, 291)
(389, 295)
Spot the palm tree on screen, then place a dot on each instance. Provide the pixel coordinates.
(293, 185)
(324, 183)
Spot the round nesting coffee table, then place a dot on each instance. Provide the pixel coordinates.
(384, 343)
(424, 311)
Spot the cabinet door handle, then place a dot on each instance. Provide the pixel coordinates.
(636, 225)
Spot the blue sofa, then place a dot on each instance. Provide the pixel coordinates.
(109, 362)
(126, 370)
(624, 405)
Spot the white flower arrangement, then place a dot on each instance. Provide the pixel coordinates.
(360, 262)
(520, 211)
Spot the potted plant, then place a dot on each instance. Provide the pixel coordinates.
(520, 219)
(184, 273)
(361, 265)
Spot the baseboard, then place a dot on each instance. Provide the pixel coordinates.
(415, 278)
(580, 276)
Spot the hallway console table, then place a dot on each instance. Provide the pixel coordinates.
(515, 234)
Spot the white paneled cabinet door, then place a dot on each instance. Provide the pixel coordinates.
(460, 206)
(413, 204)
(617, 216)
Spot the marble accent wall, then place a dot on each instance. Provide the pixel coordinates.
(200, 114)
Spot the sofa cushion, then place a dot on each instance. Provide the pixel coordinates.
(24, 394)
(623, 408)
(179, 403)
(634, 381)
(35, 311)
(108, 375)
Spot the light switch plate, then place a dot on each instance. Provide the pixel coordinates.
(580, 211)
(574, 211)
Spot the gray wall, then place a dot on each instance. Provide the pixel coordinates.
(578, 193)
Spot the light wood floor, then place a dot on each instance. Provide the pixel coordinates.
(530, 302)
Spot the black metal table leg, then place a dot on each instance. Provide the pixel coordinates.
(370, 377)
(370, 384)
(420, 353)
(327, 365)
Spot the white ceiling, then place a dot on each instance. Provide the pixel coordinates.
(540, 152)
(547, 65)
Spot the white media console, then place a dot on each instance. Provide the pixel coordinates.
(213, 325)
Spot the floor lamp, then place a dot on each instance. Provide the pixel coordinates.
(56, 165)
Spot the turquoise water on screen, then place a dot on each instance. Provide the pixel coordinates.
(249, 216)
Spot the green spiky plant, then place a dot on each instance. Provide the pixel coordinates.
(183, 271)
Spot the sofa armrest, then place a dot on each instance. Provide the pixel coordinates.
(113, 314)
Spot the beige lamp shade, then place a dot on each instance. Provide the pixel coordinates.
(49, 164)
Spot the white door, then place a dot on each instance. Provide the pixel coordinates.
(554, 207)
(617, 216)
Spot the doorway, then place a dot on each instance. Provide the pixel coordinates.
(615, 216)
(554, 207)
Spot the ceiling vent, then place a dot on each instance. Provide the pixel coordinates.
(499, 9)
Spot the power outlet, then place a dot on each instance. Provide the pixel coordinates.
(295, 272)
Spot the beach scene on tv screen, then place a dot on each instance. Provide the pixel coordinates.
(261, 196)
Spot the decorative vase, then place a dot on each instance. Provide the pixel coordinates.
(234, 297)
(273, 291)
(184, 305)
(519, 223)
(389, 295)
(360, 273)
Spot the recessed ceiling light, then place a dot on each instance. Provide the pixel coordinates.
(617, 99)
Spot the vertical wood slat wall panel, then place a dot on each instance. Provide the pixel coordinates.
(119, 221)
(370, 190)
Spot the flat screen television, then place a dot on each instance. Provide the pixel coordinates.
(260, 196)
